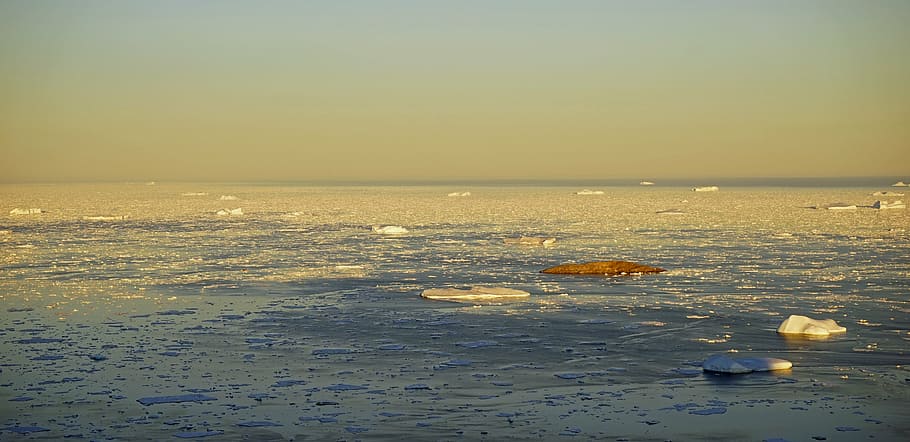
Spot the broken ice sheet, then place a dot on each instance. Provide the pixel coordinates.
(152, 400)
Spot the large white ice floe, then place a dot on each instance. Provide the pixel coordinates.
(475, 293)
(32, 211)
(706, 189)
(886, 205)
(460, 194)
(389, 230)
(589, 192)
(646, 183)
(229, 212)
(726, 364)
(804, 325)
(531, 241)
(900, 184)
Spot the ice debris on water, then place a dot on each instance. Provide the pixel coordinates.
(389, 230)
(229, 212)
(152, 400)
(31, 211)
(803, 325)
(726, 364)
(197, 434)
(475, 294)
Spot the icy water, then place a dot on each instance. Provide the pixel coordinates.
(135, 312)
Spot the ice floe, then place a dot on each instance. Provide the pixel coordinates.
(887, 193)
(459, 194)
(889, 205)
(195, 397)
(228, 198)
(531, 240)
(671, 212)
(194, 194)
(646, 183)
(803, 325)
(476, 293)
(32, 211)
(230, 212)
(900, 184)
(837, 206)
(706, 189)
(726, 364)
(389, 230)
(589, 192)
(105, 218)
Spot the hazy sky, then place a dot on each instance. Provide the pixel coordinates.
(458, 89)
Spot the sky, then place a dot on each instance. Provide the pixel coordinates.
(447, 90)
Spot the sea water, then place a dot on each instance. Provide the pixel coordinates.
(134, 311)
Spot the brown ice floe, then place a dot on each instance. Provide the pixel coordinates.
(607, 268)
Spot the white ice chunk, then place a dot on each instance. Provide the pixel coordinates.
(646, 183)
(390, 230)
(706, 189)
(476, 293)
(886, 193)
(194, 194)
(531, 240)
(671, 212)
(105, 218)
(726, 364)
(803, 325)
(589, 192)
(460, 194)
(32, 211)
(228, 212)
(228, 198)
(900, 184)
(886, 205)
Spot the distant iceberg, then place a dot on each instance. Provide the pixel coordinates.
(886, 205)
(886, 193)
(531, 241)
(646, 183)
(25, 211)
(460, 194)
(228, 198)
(476, 293)
(837, 206)
(390, 230)
(900, 184)
(194, 194)
(229, 212)
(589, 192)
(105, 218)
(706, 189)
(803, 325)
(726, 364)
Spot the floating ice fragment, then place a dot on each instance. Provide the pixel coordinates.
(531, 240)
(646, 183)
(255, 424)
(389, 230)
(900, 184)
(331, 351)
(345, 387)
(886, 193)
(417, 387)
(886, 205)
(709, 411)
(393, 347)
(802, 325)
(837, 206)
(706, 189)
(230, 212)
(460, 194)
(228, 198)
(196, 434)
(174, 399)
(194, 194)
(26, 430)
(33, 211)
(356, 430)
(846, 428)
(476, 293)
(478, 344)
(589, 192)
(105, 218)
(289, 383)
(570, 375)
(726, 364)
(37, 340)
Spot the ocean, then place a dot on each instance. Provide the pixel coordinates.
(137, 311)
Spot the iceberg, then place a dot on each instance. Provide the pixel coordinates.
(803, 325)
(726, 364)
(228, 198)
(589, 192)
(105, 218)
(900, 184)
(390, 230)
(460, 194)
(531, 241)
(646, 183)
(886, 205)
(229, 212)
(475, 293)
(886, 193)
(194, 194)
(706, 189)
(18, 211)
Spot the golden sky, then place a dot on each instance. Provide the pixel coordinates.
(423, 89)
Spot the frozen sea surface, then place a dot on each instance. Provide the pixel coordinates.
(295, 320)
